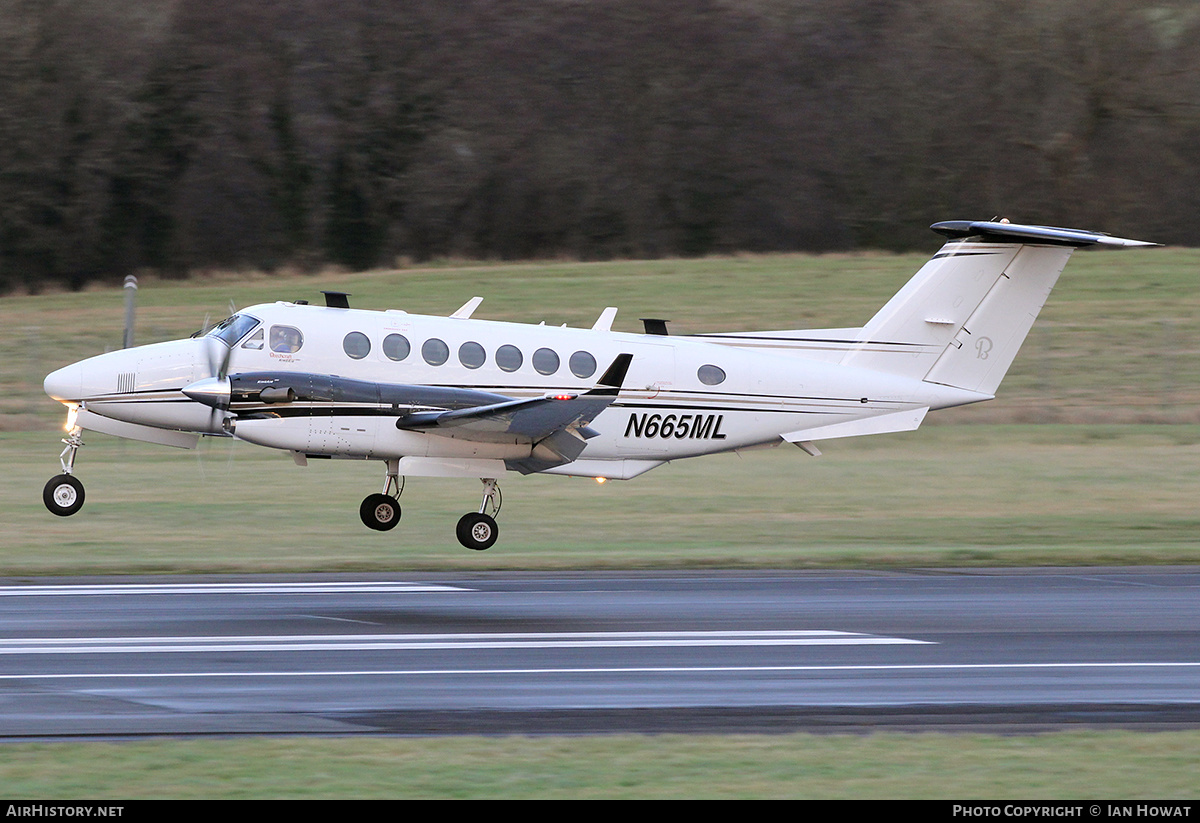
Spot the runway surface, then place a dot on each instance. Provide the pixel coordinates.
(601, 652)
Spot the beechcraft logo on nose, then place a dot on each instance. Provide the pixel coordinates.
(679, 426)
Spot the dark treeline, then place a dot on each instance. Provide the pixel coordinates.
(185, 134)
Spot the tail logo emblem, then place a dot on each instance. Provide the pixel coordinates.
(982, 347)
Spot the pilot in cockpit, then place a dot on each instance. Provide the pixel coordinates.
(286, 339)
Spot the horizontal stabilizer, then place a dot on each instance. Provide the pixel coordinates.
(901, 421)
(999, 231)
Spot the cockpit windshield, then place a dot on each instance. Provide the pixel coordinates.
(233, 329)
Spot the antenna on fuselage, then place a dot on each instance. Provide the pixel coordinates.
(465, 311)
(337, 299)
(605, 320)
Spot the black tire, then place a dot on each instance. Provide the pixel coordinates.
(477, 531)
(63, 495)
(379, 512)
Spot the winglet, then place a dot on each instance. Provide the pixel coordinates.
(613, 378)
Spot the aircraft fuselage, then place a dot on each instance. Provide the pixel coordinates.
(353, 374)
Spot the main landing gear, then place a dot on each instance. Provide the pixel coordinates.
(63, 494)
(382, 511)
(476, 530)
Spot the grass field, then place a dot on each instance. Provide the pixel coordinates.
(1084, 765)
(1109, 475)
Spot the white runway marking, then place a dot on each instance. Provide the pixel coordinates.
(425, 642)
(879, 668)
(223, 588)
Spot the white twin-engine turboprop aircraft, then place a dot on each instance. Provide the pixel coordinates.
(452, 396)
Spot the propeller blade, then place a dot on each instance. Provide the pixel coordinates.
(218, 353)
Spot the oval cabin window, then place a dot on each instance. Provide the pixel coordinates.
(509, 358)
(471, 355)
(435, 351)
(582, 364)
(545, 361)
(356, 345)
(396, 347)
(711, 375)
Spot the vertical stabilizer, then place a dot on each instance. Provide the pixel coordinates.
(987, 343)
(962, 318)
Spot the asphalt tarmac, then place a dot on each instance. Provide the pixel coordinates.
(508, 653)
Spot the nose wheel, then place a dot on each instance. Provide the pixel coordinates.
(63, 494)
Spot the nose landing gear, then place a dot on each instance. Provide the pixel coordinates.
(63, 494)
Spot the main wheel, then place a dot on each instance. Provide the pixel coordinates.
(379, 512)
(63, 495)
(477, 531)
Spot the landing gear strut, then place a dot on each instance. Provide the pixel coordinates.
(63, 494)
(382, 511)
(478, 530)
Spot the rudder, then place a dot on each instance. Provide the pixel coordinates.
(987, 343)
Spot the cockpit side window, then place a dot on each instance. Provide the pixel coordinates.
(286, 339)
(233, 329)
(254, 341)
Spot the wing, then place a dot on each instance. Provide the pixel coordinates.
(556, 424)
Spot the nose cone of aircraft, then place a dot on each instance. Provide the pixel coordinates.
(66, 383)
